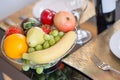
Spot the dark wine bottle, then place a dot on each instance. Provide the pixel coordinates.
(105, 14)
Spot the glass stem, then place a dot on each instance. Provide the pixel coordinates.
(77, 14)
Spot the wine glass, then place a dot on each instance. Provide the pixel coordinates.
(78, 7)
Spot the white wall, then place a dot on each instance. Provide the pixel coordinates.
(8, 7)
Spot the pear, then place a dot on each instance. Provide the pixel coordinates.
(35, 36)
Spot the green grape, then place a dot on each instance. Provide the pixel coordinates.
(27, 25)
(38, 47)
(39, 70)
(46, 45)
(25, 67)
(52, 41)
(57, 38)
(61, 34)
(47, 66)
(47, 37)
(31, 49)
(33, 21)
(54, 32)
(51, 36)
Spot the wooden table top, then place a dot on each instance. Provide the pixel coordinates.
(81, 59)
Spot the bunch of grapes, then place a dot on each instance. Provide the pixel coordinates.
(50, 39)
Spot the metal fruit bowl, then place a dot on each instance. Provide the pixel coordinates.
(20, 61)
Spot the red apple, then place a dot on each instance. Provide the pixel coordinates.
(64, 21)
(47, 16)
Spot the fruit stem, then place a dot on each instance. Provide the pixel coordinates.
(68, 18)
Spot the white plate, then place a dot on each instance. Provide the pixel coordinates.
(115, 44)
(55, 5)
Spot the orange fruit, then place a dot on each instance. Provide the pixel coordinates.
(15, 45)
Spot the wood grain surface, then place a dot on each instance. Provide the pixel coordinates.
(81, 58)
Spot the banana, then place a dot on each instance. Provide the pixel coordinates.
(54, 52)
